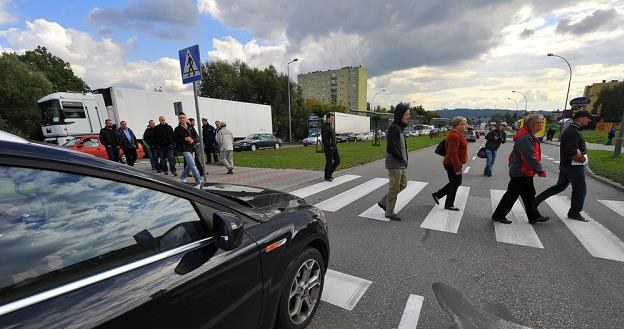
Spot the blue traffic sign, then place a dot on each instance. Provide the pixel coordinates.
(580, 101)
(190, 64)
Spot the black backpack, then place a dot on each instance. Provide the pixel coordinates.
(441, 148)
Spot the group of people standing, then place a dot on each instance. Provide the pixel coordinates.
(161, 142)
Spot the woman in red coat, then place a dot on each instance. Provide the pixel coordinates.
(456, 156)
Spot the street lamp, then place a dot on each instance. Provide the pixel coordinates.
(525, 100)
(373, 100)
(569, 81)
(289, 119)
(514, 101)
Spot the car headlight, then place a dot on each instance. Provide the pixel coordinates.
(319, 214)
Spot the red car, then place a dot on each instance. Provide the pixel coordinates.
(91, 144)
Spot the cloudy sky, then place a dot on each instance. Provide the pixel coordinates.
(438, 53)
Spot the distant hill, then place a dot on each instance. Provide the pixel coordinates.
(476, 114)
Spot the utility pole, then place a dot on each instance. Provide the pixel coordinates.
(618, 143)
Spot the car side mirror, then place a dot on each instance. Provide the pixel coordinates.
(228, 230)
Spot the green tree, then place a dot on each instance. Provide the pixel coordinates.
(55, 69)
(612, 102)
(20, 88)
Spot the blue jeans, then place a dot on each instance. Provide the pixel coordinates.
(166, 154)
(189, 157)
(574, 175)
(491, 157)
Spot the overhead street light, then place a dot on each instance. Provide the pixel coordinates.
(569, 81)
(514, 101)
(525, 100)
(289, 119)
(373, 100)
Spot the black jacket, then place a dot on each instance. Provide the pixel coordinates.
(108, 137)
(328, 135)
(394, 148)
(162, 135)
(571, 141)
(180, 134)
(209, 135)
(494, 139)
(147, 137)
(123, 142)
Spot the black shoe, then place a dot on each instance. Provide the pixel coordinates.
(174, 174)
(453, 208)
(542, 219)
(165, 173)
(435, 198)
(381, 206)
(329, 179)
(158, 171)
(578, 217)
(394, 217)
(502, 220)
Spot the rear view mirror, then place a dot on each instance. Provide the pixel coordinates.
(228, 230)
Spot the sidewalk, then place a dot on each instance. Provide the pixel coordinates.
(590, 146)
(279, 179)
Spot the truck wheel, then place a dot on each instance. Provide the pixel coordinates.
(301, 292)
(253, 147)
(277, 146)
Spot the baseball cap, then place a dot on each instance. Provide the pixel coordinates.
(582, 113)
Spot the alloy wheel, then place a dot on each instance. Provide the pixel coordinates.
(304, 291)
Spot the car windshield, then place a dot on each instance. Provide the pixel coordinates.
(72, 141)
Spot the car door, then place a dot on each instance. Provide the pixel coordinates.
(92, 146)
(83, 251)
(269, 140)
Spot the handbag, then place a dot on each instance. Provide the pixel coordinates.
(441, 148)
(481, 153)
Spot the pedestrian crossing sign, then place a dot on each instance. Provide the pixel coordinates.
(190, 64)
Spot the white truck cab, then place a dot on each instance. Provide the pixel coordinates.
(65, 115)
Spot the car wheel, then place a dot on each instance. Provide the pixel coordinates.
(253, 147)
(302, 289)
(277, 146)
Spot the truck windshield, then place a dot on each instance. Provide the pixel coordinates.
(51, 113)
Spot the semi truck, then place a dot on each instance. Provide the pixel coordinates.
(66, 115)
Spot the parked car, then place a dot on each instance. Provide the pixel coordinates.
(470, 136)
(312, 139)
(89, 243)
(345, 138)
(367, 136)
(90, 144)
(255, 142)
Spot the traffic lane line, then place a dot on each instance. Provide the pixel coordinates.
(341, 200)
(322, 186)
(411, 313)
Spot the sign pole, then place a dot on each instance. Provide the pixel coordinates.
(200, 133)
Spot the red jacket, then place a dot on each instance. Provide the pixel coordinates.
(456, 150)
(524, 160)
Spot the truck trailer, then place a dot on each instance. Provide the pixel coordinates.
(66, 115)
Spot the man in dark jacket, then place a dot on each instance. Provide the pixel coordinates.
(148, 143)
(164, 140)
(328, 135)
(195, 135)
(573, 158)
(127, 142)
(494, 139)
(524, 163)
(611, 135)
(210, 142)
(396, 160)
(108, 139)
(185, 143)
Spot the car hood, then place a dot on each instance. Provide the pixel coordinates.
(267, 201)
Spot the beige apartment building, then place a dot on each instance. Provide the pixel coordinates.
(345, 86)
(594, 90)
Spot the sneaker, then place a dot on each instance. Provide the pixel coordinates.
(453, 208)
(394, 217)
(435, 198)
(329, 180)
(230, 171)
(174, 174)
(381, 206)
(501, 220)
(578, 217)
(183, 180)
(199, 184)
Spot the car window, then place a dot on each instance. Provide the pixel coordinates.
(91, 142)
(56, 227)
(72, 142)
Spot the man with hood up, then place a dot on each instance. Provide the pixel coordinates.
(328, 135)
(396, 160)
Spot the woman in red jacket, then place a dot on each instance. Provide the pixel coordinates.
(456, 156)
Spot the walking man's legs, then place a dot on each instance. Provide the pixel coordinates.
(336, 162)
(491, 156)
(397, 183)
(514, 189)
(562, 184)
(190, 167)
(579, 189)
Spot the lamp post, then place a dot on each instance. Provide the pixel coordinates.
(514, 101)
(525, 100)
(289, 119)
(373, 100)
(569, 81)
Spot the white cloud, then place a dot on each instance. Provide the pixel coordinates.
(5, 15)
(101, 63)
(251, 53)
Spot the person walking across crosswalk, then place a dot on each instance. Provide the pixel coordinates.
(456, 156)
(524, 163)
(396, 160)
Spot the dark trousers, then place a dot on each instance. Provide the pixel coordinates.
(166, 154)
(153, 156)
(450, 190)
(610, 140)
(332, 160)
(131, 156)
(112, 154)
(209, 153)
(518, 187)
(574, 175)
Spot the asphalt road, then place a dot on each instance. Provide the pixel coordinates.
(561, 285)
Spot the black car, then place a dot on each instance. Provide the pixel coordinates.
(90, 243)
(345, 138)
(257, 141)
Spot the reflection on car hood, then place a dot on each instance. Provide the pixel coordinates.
(269, 202)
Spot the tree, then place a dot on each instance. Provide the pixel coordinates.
(612, 102)
(55, 69)
(20, 88)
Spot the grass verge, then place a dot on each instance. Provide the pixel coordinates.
(604, 164)
(595, 137)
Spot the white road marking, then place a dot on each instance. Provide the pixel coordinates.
(616, 206)
(336, 203)
(466, 170)
(343, 290)
(411, 313)
(519, 231)
(597, 239)
(440, 219)
(557, 162)
(322, 186)
(412, 189)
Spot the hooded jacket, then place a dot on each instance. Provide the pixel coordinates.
(524, 160)
(396, 149)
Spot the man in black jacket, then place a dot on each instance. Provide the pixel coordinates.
(328, 135)
(185, 142)
(164, 140)
(494, 139)
(109, 140)
(210, 142)
(148, 144)
(573, 157)
(396, 160)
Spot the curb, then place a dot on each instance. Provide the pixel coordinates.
(605, 180)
